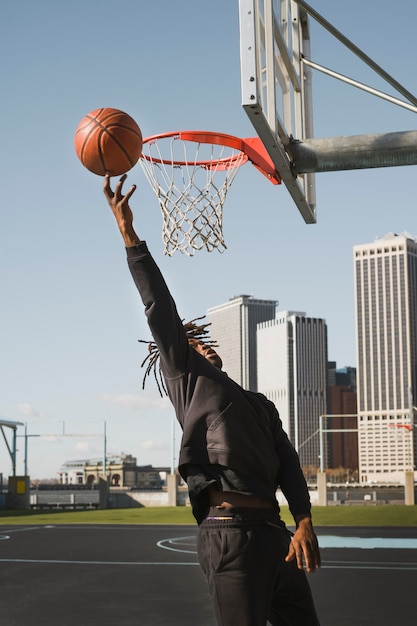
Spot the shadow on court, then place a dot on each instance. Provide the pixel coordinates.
(149, 576)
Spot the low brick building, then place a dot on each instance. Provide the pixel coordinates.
(122, 471)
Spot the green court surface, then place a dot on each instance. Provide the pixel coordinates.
(369, 515)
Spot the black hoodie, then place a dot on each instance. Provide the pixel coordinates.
(231, 437)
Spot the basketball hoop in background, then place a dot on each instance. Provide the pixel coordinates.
(191, 173)
(405, 425)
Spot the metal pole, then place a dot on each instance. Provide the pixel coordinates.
(357, 51)
(26, 449)
(104, 449)
(14, 452)
(321, 443)
(355, 83)
(334, 154)
(173, 446)
(410, 454)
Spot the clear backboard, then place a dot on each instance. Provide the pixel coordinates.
(276, 87)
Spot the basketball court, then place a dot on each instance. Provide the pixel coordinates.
(149, 576)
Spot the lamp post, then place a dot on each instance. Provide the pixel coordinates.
(63, 434)
(12, 450)
(173, 445)
(104, 448)
(26, 436)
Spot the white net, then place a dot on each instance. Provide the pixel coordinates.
(191, 180)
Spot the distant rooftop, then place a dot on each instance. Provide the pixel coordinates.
(389, 236)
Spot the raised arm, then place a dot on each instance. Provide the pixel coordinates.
(119, 205)
(160, 309)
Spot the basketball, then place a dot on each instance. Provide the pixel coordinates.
(108, 140)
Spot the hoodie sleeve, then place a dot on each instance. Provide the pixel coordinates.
(160, 309)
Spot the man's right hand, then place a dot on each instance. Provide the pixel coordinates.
(119, 205)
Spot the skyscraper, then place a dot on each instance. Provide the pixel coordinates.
(342, 407)
(386, 343)
(233, 326)
(292, 372)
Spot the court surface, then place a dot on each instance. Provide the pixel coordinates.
(149, 576)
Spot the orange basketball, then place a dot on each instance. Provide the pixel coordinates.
(108, 140)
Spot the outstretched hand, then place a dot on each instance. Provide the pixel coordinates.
(119, 204)
(304, 546)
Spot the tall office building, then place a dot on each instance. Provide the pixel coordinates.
(343, 420)
(386, 343)
(233, 327)
(292, 372)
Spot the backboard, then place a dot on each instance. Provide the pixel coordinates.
(276, 87)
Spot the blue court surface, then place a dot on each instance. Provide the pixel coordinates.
(149, 576)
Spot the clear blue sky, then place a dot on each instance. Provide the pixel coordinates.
(70, 316)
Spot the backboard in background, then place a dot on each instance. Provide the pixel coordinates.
(276, 87)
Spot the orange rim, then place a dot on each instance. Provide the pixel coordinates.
(250, 149)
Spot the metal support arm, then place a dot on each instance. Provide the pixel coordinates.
(354, 152)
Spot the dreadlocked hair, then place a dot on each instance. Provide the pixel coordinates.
(152, 362)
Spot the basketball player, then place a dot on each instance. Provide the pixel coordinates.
(234, 455)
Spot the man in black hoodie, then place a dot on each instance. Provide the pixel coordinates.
(234, 455)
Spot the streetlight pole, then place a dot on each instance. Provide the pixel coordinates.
(321, 443)
(173, 445)
(63, 434)
(104, 448)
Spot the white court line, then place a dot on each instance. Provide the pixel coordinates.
(368, 543)
(163, 543)
(379, 563)
(186, 545)
(387, 568)
(331, 565)
(64, 562)
(19, 530)
(174, 545)
(24, 529)
(325, 541)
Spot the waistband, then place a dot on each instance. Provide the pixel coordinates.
(239, 517)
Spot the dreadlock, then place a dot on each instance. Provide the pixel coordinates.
(199, 332)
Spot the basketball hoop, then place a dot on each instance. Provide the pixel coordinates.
(191, 172)
(406, 426)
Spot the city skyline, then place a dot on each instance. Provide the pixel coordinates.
(220, 319)
(235, 305)
(386, 313)
(292, 367)
(71, 317)
(234, 328)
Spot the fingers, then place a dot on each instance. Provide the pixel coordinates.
(305, 545)
(130, 192)
(304, 553)
(311, 561)
(108, 192)
(296, 552)
(291, 554)
(118, 187)
(106, 188)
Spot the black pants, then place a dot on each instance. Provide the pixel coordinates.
(249, 581)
